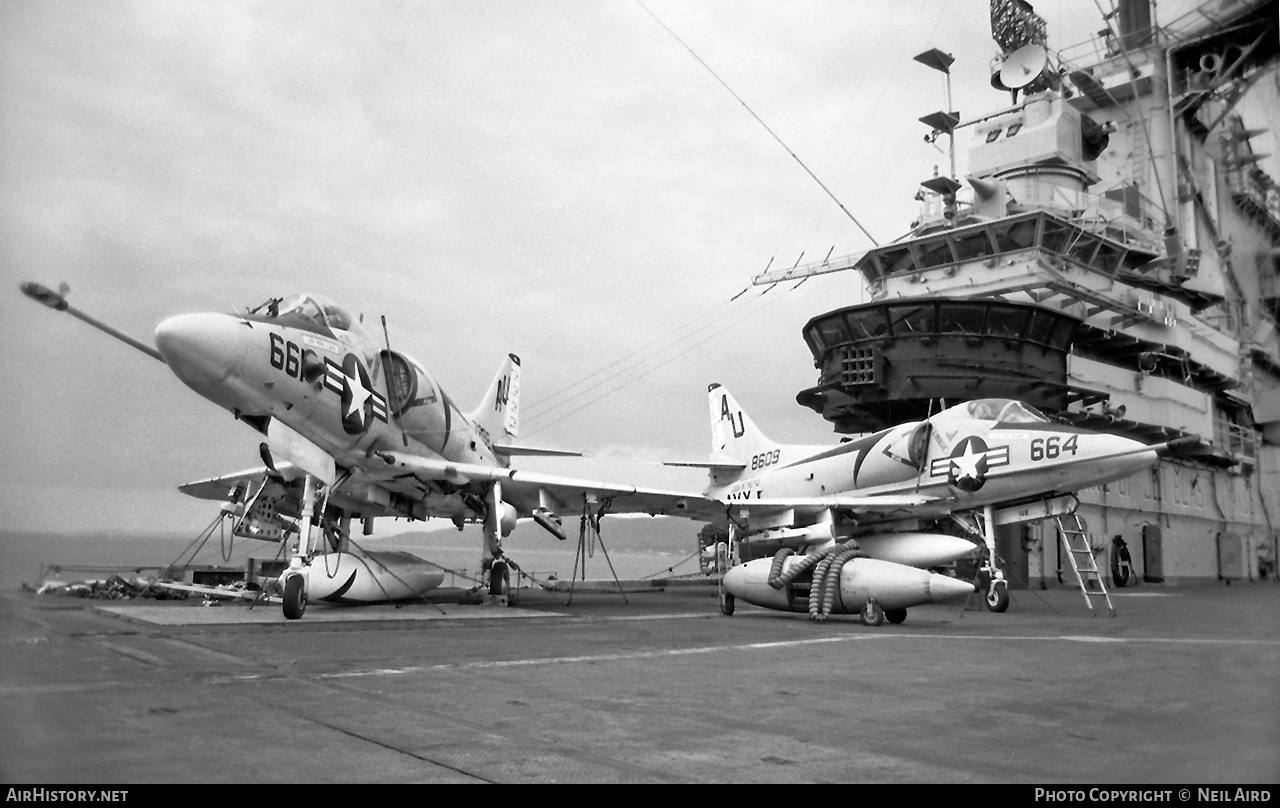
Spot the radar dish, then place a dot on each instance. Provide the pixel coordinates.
(1023, 66)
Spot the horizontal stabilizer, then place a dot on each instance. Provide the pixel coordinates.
(717, 462)
(531, 451)
(709, 465)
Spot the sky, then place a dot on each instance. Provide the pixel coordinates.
(560, 179)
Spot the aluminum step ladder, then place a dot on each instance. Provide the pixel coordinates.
(1074, 538)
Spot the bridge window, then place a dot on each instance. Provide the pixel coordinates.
(1008, 324)
(933, 253)
(1016, 235)
(1041, 330)
(917, 320)
(960, 318)
(973, 245)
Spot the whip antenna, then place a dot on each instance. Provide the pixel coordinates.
(761, 122)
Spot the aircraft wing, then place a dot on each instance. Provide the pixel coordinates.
(530, 490)
(883, 504)
(527, 491)
(234, 485)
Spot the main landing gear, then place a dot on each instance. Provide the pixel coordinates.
(295, 596)
(726, 604)
(997, 594)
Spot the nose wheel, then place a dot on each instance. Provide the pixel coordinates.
(871, 614)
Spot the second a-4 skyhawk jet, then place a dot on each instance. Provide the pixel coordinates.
(837, 524)
(354, 430)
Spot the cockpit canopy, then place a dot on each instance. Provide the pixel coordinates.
(316, 310)
(1000, 410)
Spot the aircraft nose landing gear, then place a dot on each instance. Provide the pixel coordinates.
(871, 614)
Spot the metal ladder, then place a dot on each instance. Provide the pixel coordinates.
(1083, 564)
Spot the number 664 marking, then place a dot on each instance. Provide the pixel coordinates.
(1051, 447)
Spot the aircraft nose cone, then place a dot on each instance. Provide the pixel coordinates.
(943, 588)
(201, 349)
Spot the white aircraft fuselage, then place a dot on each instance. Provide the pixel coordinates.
(971, 458)
(314, 369)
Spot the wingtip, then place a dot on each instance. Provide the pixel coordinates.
(44, 295)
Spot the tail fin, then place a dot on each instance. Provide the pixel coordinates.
(499, 410)
(734, 437)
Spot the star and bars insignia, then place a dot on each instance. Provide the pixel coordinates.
(360, 403)
(967, 466)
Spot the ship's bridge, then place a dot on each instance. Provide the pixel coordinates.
(1102, 252)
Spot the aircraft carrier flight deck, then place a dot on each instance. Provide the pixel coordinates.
(658, 687)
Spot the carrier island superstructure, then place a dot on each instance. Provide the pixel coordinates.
(1110, 257)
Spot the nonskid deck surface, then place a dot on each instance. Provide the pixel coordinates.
(658, 687)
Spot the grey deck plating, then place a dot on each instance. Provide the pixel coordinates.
(1178, 688)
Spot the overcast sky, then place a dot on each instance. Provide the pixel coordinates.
(560, 180)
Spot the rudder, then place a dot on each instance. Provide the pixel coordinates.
(733, 434)
(499, 410)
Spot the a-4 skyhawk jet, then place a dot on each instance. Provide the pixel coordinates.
(354, 429)
(833, 517)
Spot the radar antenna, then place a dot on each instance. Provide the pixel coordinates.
(1023, 38)
(1026, 69)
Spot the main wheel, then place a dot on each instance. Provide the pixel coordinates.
(1120, 576)
(997, 596)
(871, 614)
(726, 604)
(295, 597)
(895, 616)
(498, 577)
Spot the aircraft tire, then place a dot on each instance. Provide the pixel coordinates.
(895, 616)
(998, 597)
(498, 577)
(871, 614)
(295, 597)
(726, 604)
